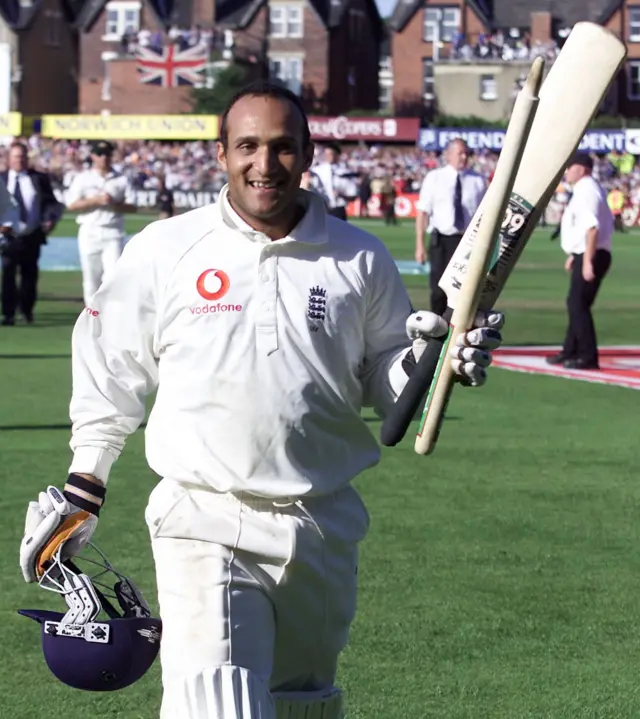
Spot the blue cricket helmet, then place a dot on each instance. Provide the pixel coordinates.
(87, 652)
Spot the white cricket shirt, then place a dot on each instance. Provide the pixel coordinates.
(587, 208)
(437, 195)
(90, 183)
(337, 182)
(262, 352)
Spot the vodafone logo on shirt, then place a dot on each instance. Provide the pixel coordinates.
(206, 285)
(212, 285)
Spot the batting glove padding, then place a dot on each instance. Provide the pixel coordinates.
(472, 353)
(52, 521)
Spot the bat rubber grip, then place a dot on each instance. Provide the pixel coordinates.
(403, 412)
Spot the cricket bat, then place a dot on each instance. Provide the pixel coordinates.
(570, 96)
(484, 229)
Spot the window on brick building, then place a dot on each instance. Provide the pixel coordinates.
(633, 81)
(52, 28)
(634, 24)
(287, 69)
(357, 23)
(488, 87)
(122, 17)
(440, 23)
(285, 20)
(428, 80)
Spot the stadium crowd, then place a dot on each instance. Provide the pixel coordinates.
(499, 46)
(192, 166)
(213, 38)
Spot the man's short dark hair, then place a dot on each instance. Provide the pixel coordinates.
(263, 88)
(21, 145)
(583, 159)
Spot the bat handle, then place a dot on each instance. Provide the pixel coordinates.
(437, 401)
(404, 411)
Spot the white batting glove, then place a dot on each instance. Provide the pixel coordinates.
(472, 353)
(52, 521)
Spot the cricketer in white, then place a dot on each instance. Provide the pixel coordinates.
(263, 342)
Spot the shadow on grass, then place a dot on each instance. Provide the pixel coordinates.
(370, 420)
(23, 427)
(36, 357)
(40, 427)
(59, 298)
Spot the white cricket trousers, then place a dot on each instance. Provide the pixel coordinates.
(99, 249)
(254, 597)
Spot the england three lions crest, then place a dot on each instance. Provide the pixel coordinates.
(316, 308)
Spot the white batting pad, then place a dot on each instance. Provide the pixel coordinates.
(226, 692)
(323, 704)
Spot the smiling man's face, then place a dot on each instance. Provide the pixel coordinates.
(264, 158)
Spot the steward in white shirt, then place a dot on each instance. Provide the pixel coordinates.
(586, 232)
(100, 197)
(449, 198)
(265, 325)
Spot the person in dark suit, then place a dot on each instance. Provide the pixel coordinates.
(24, 230)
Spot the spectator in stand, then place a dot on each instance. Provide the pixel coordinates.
(164, 200)
(388, 201)
(364, 195)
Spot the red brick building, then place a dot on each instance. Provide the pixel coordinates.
(44, 55)
(323, 49)
(417, 25)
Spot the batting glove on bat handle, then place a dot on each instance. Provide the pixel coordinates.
(396, 423)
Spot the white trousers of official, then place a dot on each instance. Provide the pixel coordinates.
(99, 249)
(254, 597)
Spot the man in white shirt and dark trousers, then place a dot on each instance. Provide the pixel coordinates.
(449, 197)
(24, 229)
(265, 325)
(99, 196)
(586, 232)
(339, 183)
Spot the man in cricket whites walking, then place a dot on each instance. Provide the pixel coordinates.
(99, 196)
(265, 325)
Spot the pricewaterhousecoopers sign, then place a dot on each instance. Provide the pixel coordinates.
(371, 129)
(488, 139)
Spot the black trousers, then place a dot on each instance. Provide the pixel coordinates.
(339, 212)
(441, 249)
(21, 257)
(580, 341)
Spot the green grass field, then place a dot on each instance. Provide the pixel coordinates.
(501, 576)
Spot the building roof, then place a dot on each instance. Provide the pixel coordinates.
(233, 14)
(406, 9)
(167, 12)
(18, 17)
(237, 14)
(517, 13)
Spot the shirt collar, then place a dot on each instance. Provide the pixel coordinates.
(312, 228)
(108, 176)
(455, 172)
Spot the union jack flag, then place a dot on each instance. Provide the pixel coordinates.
(170, 66)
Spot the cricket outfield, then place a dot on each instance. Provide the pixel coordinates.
(500, 577)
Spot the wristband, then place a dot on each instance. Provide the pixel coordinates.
(84, 494)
